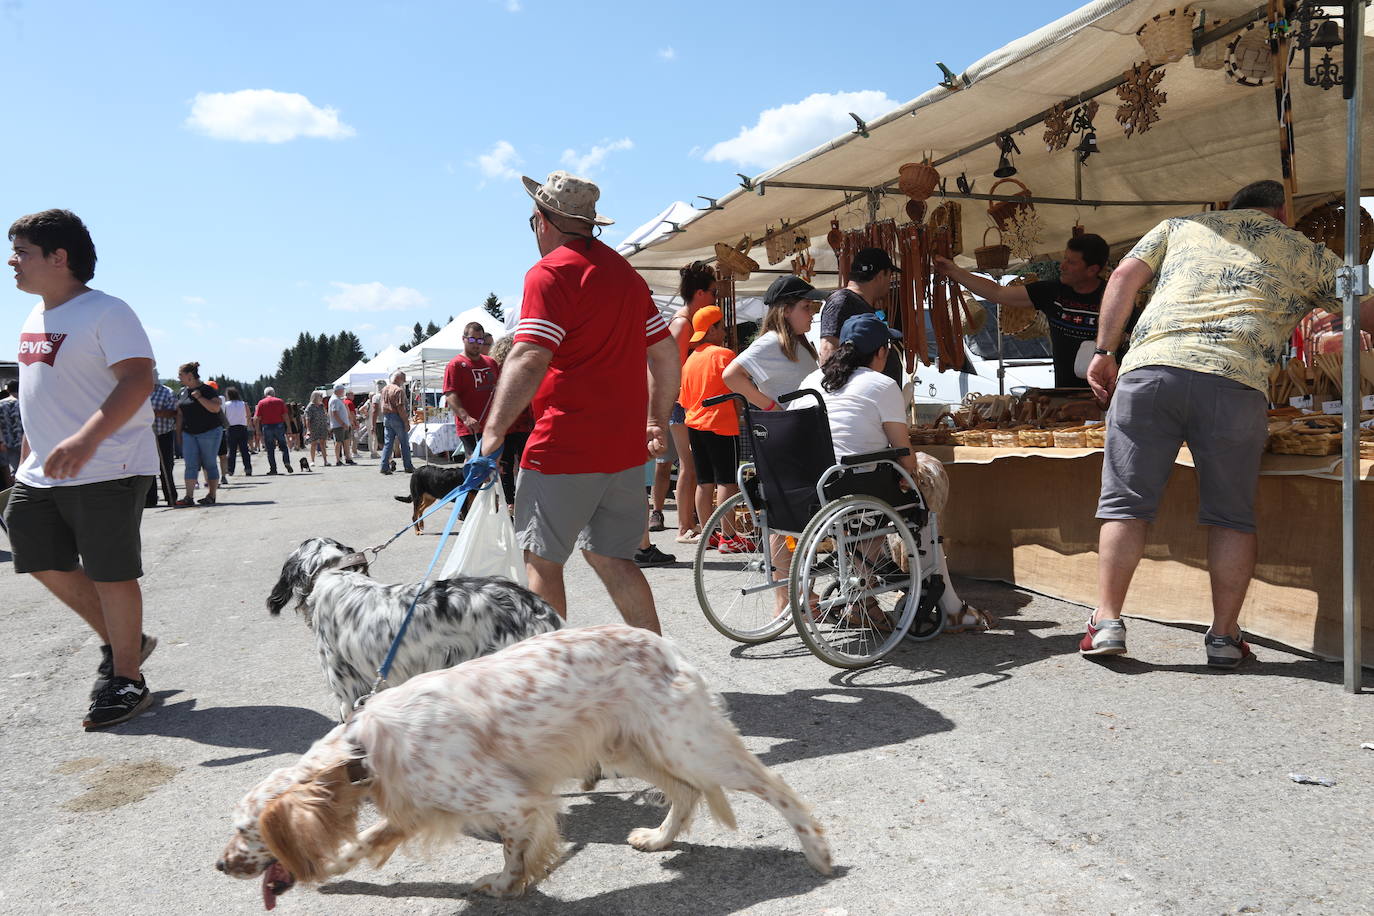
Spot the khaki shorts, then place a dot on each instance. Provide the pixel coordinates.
(1155, 409)
(602, 513)
(340, 433)
(94, 525)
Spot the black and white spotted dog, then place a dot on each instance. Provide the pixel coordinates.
(355, 617)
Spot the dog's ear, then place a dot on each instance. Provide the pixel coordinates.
(293, 581)
(304, 826)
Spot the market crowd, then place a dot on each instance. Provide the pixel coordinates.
(594, 381)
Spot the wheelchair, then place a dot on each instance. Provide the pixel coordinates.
(857, 531)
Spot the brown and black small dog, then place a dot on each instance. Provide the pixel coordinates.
(429, 484)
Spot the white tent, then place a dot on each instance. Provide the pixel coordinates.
(347, 377)
(1213, 136)
(448, 343)
(379, 368)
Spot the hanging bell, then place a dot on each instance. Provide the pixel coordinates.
(1328, 36)
(1087, 146)
(1004, 167)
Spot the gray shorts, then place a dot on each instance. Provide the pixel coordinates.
(93, 525)
(603, 513)
(1154, 410)
(340, 433)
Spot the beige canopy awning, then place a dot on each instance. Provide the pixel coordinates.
(1213, 136)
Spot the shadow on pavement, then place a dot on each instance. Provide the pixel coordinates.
(818, 722)
(710, 879)
(1310, 669)
(265, 731)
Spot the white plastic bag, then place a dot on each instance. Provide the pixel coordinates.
(485, 545)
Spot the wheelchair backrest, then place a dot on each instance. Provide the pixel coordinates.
(792, 449)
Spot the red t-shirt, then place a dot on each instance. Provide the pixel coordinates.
(474, 381)
(586, 304)
(270, 410)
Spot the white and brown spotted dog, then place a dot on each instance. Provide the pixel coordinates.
(485, 745)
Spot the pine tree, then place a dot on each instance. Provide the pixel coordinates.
(418, 335)
(493, 307)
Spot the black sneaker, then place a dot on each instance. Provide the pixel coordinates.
(273, 472)
(120, 701)
(288, 468)
(105, 670)
(652, 556)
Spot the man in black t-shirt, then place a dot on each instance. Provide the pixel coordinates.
(870, 275)
(1071, 303)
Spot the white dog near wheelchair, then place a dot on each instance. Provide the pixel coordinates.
(485, 745)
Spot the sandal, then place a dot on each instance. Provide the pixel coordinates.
(185, 502)
(968, 618)
(867, 616)
(206, 501)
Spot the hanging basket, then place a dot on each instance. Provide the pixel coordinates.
(992, 257)
(1248, 59)
(1326, 224)
(1002, 211)
(917, 180)
(1024, 322)
(1167, 37)
(948, 216)
(736, 262)
(1212, 56)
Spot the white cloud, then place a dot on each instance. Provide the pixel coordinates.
(499, 162)
(193, 300)
(263, 116)
(513, 6)
(790, 130)
(373, 297)
(583, 163)
(198, 324)
(667, 53)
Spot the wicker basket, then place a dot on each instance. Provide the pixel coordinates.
(1002, 211)
(1248, 58)
(1326, 224)
(1071, 437)
(932, 435)
(917, 180)
(1290, 443)
(948, 216)
(1096, 436)
(1004, 438)
(1035, 438)
(1212, 56)
(1168, 36)
(1023, 322)
(976, 438)
(739, 264)
(992, 257)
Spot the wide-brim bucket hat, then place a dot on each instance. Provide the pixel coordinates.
(567, 195)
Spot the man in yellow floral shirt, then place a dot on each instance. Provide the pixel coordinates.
(1230, 287)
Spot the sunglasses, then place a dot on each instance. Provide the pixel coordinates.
(475, 339)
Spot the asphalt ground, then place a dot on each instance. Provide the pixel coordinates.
(989, 772)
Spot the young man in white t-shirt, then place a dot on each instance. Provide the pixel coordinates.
(88, 455)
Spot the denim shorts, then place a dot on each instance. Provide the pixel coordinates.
(1156, 409)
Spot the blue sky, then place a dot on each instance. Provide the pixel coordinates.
(253, 170)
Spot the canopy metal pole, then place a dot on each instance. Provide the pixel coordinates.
(1356, 285)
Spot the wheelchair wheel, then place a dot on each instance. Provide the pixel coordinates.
(861, 609)
(725, 582)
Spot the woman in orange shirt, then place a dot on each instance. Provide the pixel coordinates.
(712, 431)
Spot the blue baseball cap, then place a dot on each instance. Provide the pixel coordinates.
(868, 333)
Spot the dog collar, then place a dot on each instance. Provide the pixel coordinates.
(353, 561)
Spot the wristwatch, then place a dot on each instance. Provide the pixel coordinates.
(1101, 352)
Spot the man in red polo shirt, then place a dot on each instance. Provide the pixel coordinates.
(270, 417)
(588, 329)
(469, 383)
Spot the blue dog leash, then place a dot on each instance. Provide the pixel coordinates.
(481, 475)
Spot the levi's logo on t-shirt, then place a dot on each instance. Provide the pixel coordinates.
(39, 348)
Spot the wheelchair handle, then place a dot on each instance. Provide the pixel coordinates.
(722, 398)
(793, 395)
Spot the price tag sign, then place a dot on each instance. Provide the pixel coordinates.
(1303, 403)
(1367, 403)
(1333, 407)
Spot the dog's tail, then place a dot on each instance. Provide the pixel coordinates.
(402, 499)
(720, 807)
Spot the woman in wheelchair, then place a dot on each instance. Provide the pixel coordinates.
(867, 414)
